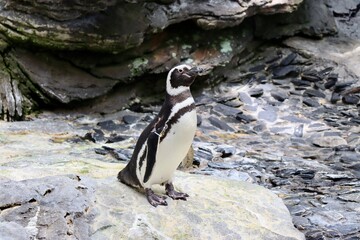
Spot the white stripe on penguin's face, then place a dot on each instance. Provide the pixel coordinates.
(173, 91)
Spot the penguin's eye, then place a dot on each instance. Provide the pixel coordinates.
(180, 70)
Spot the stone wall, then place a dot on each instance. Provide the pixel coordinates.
(53, 53)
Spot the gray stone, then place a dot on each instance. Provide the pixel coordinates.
(56, 77)
(329, 141)
(13, 231)
(220, 124)
(286, 71)
(311, 102)
(312, 18)
(245, 98)
(314, 93)
(256, 92)
(269, 114)
(226, 110)
(280, 96)
(51, 207)
(82, 208)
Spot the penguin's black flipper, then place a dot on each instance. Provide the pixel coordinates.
(152, 146)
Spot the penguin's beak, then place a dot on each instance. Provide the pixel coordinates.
(195, 71)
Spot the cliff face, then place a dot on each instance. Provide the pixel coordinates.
(55, 52)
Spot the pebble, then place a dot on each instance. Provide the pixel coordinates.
(350, 99)
(220, 124)
(245, 118)
(130, 119)
(311, 102)
(288, 59)
(335, 97)
(300, 82)
(256, 92)
(95, 136)
(329, 141)
(313, 93)
(109, 125)
(280, 96)
(286, 71)
(245, 98)
(330, 83)
(116, 138)
(269, 114)
(226, 110)
(226, 150)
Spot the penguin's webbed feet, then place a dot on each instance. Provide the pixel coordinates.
(154, 199)
(170, 191)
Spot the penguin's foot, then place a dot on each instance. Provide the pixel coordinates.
(170, 191)
(154, 199)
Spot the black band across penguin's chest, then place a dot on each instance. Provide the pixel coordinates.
(175, 119)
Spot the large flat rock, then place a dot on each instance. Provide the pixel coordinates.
(73, 207)
(55, 189)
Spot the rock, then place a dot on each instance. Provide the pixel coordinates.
(269, 114)
(187, 162)
(108, 125)
(352, 197)
(280, 96)
(132, 216)
(288, 59)
(223, 165)
(257, 68)
(311, 102)
(245, 118)
(286, 71)
(329, 142)
(116, 138)
(56, 77)
(311, 76)
(118, 154)
(49, 207)
(82, 207)
(314, 93)
(204, 152)
(312, 19)
(330, 83)
(300, 82)
(350, 99)
(13, 230)
(87, 26)
(335, 97)
(256, 92)
(95, 136)
(225, 150)
(245, 98)
(220, 124)
(130, 119)
(299, 131)
(226, 110)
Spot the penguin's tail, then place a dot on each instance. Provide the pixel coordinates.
(125, 177)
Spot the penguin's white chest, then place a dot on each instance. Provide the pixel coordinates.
(173, 148)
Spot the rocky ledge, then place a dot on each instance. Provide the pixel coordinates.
(93, 205)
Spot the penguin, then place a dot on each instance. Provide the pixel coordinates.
(164, 143)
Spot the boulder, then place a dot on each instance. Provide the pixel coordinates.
(312, 19)
(76, 207)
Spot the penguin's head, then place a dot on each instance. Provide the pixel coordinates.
(180, 78)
